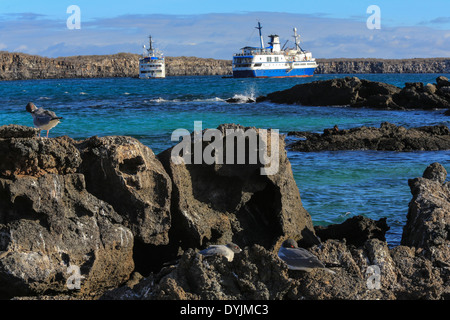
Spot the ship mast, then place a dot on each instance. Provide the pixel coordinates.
(297, 41)
(150, 49)
(260, 35)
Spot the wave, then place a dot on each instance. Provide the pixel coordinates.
(215, 99)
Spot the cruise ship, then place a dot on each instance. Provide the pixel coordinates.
(152, 64)
(273, 61)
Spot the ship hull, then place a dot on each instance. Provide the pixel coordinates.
(274, 73)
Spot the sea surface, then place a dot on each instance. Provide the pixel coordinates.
(334, 186)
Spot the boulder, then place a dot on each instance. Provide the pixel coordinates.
(221, 203)
(127, 175)
(356, 230)
(388, 137)
(442, 81)
(24, 155)
(353, 92)
(52, 231)
(428, 218)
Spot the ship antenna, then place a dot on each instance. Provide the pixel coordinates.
(260, 35)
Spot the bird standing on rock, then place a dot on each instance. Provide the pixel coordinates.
(227, 250)
(298, 258)
(43, 119)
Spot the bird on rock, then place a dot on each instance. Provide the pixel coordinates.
(298, 258)
(227, 250)
(43, 119)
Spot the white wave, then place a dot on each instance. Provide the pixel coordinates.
(243, 98)
(215, 99)
(83, 93)
(44, 98)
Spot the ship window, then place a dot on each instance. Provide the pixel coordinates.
(269, 59)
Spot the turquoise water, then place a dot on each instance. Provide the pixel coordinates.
(334, 185)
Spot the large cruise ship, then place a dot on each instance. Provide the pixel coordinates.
(273, 61)
(152, 64)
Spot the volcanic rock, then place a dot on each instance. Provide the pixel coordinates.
(126, 174)
(356, 230)
(388, 137)
(355, 92)
(428, 218)
(221, 203)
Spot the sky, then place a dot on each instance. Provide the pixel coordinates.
(217, 29)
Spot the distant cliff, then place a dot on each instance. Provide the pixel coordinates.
(350, 66)
(20, 66)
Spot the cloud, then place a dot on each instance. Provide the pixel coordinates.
(220, 35)
(440, 20)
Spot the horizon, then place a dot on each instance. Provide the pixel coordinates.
(207, 29)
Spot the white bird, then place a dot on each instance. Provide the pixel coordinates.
(298, 258)
(227, 250)
(43, 119)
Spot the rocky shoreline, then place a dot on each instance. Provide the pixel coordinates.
(388, 137)
(361, 93)
(21, 66)
(129, 224)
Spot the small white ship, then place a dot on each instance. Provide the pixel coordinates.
(273, 61)
(152, 64)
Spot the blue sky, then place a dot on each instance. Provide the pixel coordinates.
(217, 29)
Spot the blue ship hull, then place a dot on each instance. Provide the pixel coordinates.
(274, 73)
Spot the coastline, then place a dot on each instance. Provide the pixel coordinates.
(71, 189)
(21, 66)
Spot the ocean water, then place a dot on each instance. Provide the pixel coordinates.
(333, 185)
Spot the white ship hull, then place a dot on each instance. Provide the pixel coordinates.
(273, 61)
(152, 64)
(150, 67)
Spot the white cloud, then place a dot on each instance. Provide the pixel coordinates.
(220, 35)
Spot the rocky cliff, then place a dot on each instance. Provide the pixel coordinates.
(84, 220)
(351, 66)
(19, 66)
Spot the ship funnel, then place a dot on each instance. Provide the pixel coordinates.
(275, 43)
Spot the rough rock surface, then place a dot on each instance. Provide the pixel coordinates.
(388, 137)
(49, 224)
(127, 175)
(234, 202)
(355, 92)
(52, 216)
(355, 230)
(50, 221)
(15, 66)
(365, 268)
(352, 66)
(428, 219)
(20, 66)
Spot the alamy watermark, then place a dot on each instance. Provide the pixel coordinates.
(373, 274)
(74, 281)
(234, 146)
(374, 20)
(74, 20)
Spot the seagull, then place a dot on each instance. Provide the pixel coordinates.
(298, 258)
(43, 119)
(227, 250)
